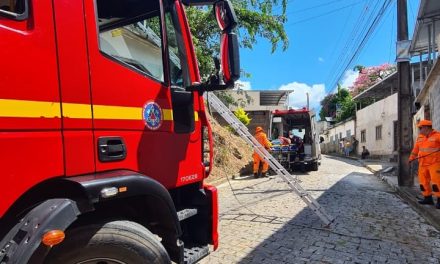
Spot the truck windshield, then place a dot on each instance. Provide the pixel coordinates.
(130, 32)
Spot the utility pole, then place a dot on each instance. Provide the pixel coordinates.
(308, 107)
(404, 96)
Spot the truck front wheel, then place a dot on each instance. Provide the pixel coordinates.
(117, 242)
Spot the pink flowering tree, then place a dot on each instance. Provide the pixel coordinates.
(369, 76)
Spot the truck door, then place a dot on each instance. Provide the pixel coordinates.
(75, 87)
(135, 76)
(30, 114)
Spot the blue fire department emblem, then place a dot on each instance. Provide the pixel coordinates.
(152, 115)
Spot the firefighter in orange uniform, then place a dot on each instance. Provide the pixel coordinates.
(262, 138)
(427, 151)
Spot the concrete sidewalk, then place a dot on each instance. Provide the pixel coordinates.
(387, 172)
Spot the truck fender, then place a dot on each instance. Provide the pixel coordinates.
(123, 184)
(23, 240)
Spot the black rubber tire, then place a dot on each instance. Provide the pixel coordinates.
(114, 242)
(314, 166)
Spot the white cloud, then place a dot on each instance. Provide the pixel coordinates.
(242, 85)
(349, 78)
(298, 98)
(320, 59)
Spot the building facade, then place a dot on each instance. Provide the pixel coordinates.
(333, 135)
(376, 128)
(425, 45)
(259, 106)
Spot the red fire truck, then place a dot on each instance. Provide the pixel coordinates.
(105, 138)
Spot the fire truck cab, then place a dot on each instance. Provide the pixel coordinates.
(106, 143)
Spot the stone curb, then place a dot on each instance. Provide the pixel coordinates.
(428, 212)
(409, 195)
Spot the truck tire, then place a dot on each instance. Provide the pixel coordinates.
(117, 242)
(314, 166)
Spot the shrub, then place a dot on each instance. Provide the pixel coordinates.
(242, 116)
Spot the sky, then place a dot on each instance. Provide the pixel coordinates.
(321, 36)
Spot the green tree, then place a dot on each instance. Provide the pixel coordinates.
(256, 18)
(227, 98)
(339, 106)
(328, 106)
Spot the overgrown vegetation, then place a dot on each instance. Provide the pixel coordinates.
(232, 156)
(369, 76)
(256, 18)
(341, 106)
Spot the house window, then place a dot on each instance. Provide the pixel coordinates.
(349, 133)
(336, 138)
(340, 135)
(379, 132)
(363, 136)
(331, 139)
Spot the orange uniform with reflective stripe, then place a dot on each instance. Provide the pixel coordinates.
(427, 150)
(262, 138)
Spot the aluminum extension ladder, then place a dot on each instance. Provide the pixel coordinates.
(291, 180)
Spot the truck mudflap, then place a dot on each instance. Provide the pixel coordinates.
(24, 239)
(212, 193)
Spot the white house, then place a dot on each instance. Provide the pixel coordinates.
(376, 127)
(334, 134)
(376, 124)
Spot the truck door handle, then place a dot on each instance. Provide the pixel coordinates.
(111, 149)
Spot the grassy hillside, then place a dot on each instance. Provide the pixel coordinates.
(232, 156)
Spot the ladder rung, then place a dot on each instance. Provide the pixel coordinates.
(291, 181)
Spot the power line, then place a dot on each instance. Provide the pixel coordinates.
(357, 33)
(380, 23)
(362, 43)
(391, 39)
(359, 44)
(314, 7)
(341, 34)
(323, 14)
(351, 42)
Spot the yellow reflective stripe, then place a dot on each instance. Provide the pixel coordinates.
(77, 110)
(429, 149)
(24, 108)
(125, 112)
(196, 116)
(413, 154)
(40, 109)
(167, 114)
(117, 112)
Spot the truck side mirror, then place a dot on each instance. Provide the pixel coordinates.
(230, 61)
(229, 47)
(225, 15)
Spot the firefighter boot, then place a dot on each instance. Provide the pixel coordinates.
(256, 175)
(437, 205)
(426, 200)
(263, 174)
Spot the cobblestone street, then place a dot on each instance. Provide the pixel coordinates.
(264, 222)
